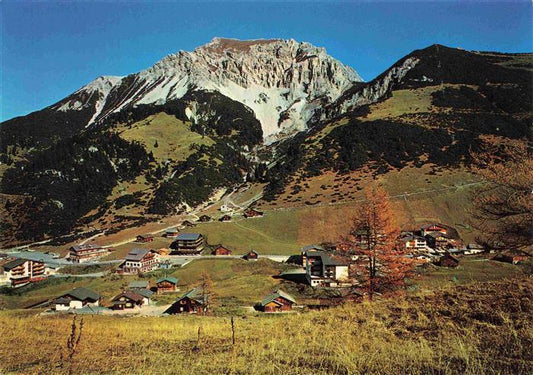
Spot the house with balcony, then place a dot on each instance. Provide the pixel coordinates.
(86, 253)
(128, 300)
(188, 244)
(324, 271)
(139, 261)
(278, 301)
(19, 272)
(413, 242)
(192, 302)
(166, 284)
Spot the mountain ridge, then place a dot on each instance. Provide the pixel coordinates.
(431, 107)
(282, 81)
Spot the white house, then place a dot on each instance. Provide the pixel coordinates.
(322, 270)
(139, 261)
(76, 299)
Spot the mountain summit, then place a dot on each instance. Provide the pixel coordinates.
(281, 81)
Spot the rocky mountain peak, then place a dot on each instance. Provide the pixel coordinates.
(281, 81)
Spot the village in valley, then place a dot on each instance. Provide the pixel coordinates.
(149, 287)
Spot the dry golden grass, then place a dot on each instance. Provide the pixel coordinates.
(478, 329)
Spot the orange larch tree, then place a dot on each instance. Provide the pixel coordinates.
(503, 208)
(380, 264)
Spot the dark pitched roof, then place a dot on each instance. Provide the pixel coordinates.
(62, 300)
(82, 294)
(137, 254)
(312, 247)
(140, 284)
(251, 254)
(144, 292)
(85, 247)
(133, 296)
(14, 263)
(195, 294)
(273, 296)
(189, 236)
(170, 279)
(325, 258)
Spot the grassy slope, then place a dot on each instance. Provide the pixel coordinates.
(432, 193)
(469, 330)
(174, 137)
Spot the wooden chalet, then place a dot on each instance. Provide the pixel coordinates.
(127, 300)
(171, 233)
(277, 302)
(166, 284)
(187, 223)
(86, 252)
(139, 261)
(76, 299)
(448, 260)
(221, 250)
(188, 244)
(204, 219)
(252, 213)
(144, 238)
(19, 272)
(512, 256)
(251, 255)
(225, 218)
(192, 302)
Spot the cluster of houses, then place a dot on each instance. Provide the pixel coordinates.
(82, 300)
(249, 213)
(431, 240)
(441, 244)
(138, 294)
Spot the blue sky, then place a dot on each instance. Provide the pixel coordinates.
(50, 49)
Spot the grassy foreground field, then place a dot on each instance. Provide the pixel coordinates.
(482, 328)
